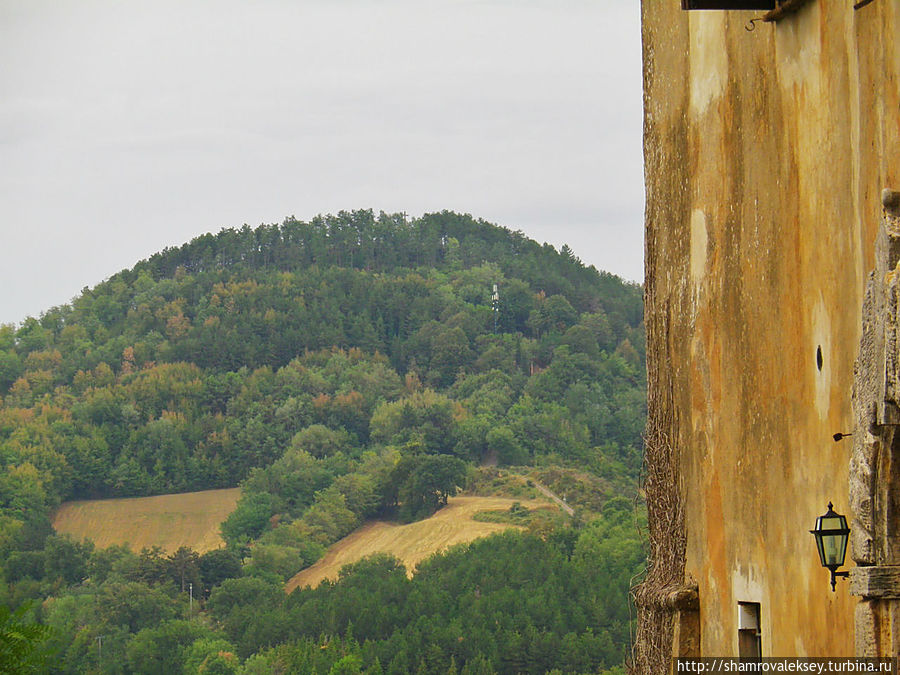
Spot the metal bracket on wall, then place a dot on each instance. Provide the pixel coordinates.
(781, 10)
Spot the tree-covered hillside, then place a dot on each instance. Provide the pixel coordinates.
(350, 366)
(196, 365)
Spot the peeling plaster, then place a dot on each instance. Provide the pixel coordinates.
(699, 240)
(708, 59)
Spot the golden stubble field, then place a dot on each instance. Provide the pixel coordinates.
(192, 519)
(168, 521)
(414, 542)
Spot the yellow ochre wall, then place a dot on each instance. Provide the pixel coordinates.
(765, 156)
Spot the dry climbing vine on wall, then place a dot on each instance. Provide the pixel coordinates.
(666, 556)
(652, 648)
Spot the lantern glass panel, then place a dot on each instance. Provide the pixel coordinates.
(822, 560)
(833, 546)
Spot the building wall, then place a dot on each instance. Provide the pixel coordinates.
(765, 156)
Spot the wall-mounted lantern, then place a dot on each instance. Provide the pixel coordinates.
(831, 535)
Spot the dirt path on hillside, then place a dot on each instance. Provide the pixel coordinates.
(547, 493)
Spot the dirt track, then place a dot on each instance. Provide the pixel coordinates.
(560, 502)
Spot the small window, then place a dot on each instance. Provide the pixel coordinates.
(725, 4)
(749, 631)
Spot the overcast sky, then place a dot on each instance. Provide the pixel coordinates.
(126, 127)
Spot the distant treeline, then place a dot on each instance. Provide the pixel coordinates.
(388, 242)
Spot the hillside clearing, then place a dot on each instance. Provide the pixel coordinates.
(169, 521)
(413, 542)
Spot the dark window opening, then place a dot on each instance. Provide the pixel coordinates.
(776, 9)
(819, 360)
(725, 4)
(749, 631)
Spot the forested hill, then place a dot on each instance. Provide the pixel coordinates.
(355, 281)
(204, 361)
(336, 370)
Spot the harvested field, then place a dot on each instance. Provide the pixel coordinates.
(414, 542)
(168, 521)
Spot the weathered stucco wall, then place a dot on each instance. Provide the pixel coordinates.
(765, 156)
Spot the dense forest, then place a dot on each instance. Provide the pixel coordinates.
(355, 366)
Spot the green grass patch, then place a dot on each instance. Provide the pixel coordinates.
(521, 515)
(490, 481)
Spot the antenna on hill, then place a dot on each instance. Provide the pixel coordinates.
(495, 305)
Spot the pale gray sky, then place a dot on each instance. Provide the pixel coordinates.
(129, 126)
